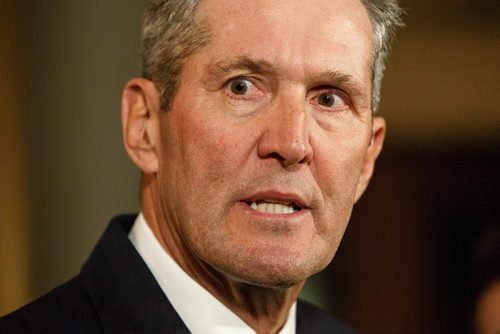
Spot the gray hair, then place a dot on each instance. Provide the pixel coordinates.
(172, 31)
(385, 17)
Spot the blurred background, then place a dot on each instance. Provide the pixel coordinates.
(409, 261)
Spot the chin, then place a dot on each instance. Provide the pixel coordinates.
(273, 272)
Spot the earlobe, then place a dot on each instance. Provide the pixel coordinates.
(372, 153)
(140, 123)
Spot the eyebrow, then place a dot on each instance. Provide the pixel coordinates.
(221, 69)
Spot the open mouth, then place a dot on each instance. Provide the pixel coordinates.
(273, 206)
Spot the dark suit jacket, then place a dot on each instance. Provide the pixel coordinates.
(116, 293)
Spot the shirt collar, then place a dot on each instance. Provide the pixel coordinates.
(200, 310)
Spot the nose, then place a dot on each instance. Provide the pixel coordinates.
(286, 135)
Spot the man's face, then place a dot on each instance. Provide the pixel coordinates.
(262, 151)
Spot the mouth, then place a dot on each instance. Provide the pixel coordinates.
(273, 206)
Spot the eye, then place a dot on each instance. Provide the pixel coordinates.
(243, 96)
(330, 100)
(327, 99)
(243, 88)
(239, 86)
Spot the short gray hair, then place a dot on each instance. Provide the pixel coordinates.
(172, 31)
(385, 17)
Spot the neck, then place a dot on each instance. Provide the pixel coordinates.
(265, 309)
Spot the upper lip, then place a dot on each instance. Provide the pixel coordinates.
(276, 196)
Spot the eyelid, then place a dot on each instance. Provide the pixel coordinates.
(334, 90)
(250, 79)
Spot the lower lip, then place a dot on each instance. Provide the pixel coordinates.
(272, 216)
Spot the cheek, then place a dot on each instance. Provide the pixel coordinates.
(210, 154)
(338, 167)
(193, 170)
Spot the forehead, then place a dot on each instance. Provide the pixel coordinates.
(303, 36)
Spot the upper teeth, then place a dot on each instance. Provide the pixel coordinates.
(272, 207)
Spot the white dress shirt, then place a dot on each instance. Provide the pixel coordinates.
(201, 311)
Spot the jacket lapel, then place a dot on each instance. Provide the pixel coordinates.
(127, 297)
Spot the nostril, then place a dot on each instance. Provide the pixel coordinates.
(276, 156)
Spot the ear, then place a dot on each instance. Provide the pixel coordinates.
(140, 123)
(372, 153)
